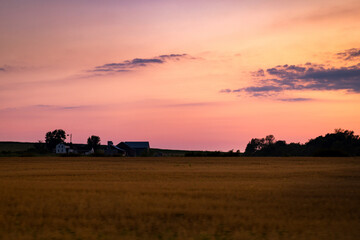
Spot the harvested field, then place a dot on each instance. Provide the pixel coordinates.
(179, 198)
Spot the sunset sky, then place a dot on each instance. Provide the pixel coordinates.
(200, 75)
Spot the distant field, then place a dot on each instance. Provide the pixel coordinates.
(179, 198)
(15, 146)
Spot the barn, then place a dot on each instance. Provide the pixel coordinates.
(112, 150)
(134, 149)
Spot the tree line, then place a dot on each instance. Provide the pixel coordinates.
(340, 143)
(53, 138)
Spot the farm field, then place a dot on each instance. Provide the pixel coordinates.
(179, 198)
(15, 146)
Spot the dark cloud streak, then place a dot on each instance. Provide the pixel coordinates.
(192, 104)
(308, 76)
(135, 63)
(44, 107)
(295, 99)
(349, 54)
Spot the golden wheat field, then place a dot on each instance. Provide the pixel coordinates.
(179, 198)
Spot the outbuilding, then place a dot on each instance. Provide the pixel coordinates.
(61, 148)
(134, 149)
(112, 150)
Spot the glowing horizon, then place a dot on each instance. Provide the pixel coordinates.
(192, 75)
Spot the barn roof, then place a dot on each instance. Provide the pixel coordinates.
(117, 148)
(66, 145)
(138, 144)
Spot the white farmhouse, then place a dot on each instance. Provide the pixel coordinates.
(61, 148)
(90, 152)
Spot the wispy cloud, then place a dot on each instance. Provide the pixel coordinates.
(295, 99)
(135, 63)
(57, 107)
(260, 89)
(308, 76)
(146, 104)
(191, 104)
(6, 68)
(97, 71)
(44, 107)
(226, 90)
(258, 73)
(350, 54)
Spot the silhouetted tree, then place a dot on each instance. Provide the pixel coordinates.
(54, 138)
(254, 145)
(340, 143)
(94, 142)
(269, 139)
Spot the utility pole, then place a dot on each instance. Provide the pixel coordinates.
(70, 137)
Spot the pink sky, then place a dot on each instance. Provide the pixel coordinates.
(207, 75)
